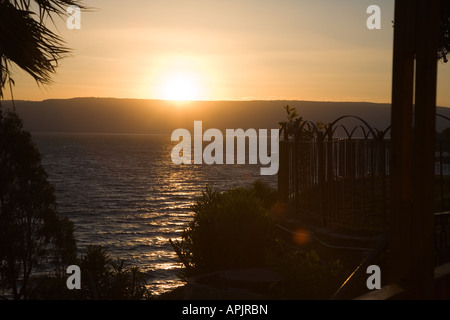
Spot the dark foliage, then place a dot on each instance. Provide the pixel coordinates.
(444, 31)
(230, 229)
(25, 39)
(234, 229)
(306, 275)
(101, 278)
(31, 232)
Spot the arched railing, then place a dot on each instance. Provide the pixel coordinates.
(345, 180)
(339, 179)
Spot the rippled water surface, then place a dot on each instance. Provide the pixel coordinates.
(123, 192)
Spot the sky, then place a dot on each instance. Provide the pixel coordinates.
(316, 50)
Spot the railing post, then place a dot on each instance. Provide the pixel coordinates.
(283, 172)
(383, 160)
(321, 175)
(441, 176)
(330, 178)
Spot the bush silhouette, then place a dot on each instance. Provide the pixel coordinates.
(230, 230)
(108, 279)
(233, 229)
(101, 279)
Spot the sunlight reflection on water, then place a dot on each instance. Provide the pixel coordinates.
(123, 192)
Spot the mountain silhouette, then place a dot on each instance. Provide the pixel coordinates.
(111, 115)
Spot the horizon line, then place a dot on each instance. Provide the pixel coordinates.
(196, 100)
(209, 100)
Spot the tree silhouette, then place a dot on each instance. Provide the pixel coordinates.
(31, 233)
(444, 31)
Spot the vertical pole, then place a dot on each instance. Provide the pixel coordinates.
(321, 176)
(441, 176)
(424, 146)
(400, 250)
(331, 179)
(412, 195)
(283, 172)
(382, 172)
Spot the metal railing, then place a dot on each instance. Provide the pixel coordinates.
(337, 179)
(442, 237)
(345, 181)
(342, 180)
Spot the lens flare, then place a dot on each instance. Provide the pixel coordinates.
(301, 237)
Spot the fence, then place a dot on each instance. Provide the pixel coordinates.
(344, 180)
(339, 180)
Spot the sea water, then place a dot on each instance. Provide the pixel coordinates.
(123, 192)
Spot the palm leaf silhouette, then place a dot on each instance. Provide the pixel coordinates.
(25, 40)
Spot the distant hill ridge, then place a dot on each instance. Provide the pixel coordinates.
(112, 115)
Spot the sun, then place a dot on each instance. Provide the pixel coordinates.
(180, 87)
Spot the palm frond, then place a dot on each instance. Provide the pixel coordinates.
(48, 7)
(27, 43)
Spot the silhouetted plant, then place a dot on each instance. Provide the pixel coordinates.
(95, 266)
(265, 193)
(305, 274)
(28, 42)
(31, 232)
(291, 126)
(127, 281)
(101, 278)
(294, 127)
(29, 227)
(444, 31)
(50, 286)
(230, 229)
(108, 279)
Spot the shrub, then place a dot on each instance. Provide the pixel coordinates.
(230, 229)
(305, 274)
(101, 278)
(108, 279)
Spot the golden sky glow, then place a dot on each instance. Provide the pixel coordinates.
(228, 50)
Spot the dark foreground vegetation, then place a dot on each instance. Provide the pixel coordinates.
(102, 278)
(236, 229)
(36, 243)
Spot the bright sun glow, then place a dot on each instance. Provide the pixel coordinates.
(180, 87)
